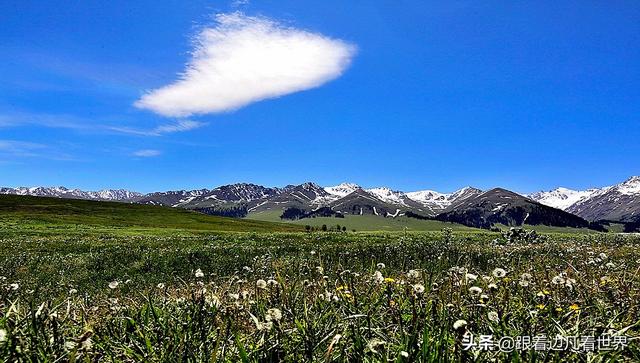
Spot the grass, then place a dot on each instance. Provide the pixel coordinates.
(364, 222)
(53, 215)
(295, 296)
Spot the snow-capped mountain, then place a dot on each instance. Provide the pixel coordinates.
(620, 202)
(62, 192)
(562, 198)
(438, 202)
(342, 190)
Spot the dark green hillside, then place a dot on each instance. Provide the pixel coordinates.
(51, 214)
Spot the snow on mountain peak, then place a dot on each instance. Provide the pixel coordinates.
(629, 187)
(387, 195)
(343, 189)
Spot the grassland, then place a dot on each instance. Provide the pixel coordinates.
(23, 214)
(189, 294)
(363, 222)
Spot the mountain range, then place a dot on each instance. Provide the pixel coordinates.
(469, 206)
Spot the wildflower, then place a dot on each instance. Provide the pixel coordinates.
(261, 284)
(273, 314)
(493, 316)
(312, 252)
(70, 345)
(418, 288)
(459, 324)
(558, 280)
(499, 273)
(3, 335)
(388, 280)
(471, 277)
(380, 266)
(160, 286)
(475, 290)
(413, 274)
(377, 276)
(374, 344)
(559, 309)
(574, 307)
(540, 306)
(199, 274)
(113, 284)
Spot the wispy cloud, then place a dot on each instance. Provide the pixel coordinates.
(81, 124)
(247, 59)
(23, 149)
(147, 153)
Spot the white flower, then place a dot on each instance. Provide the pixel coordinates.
(70, 345)
(413, 274)
(459, 324)
(380, 266)
(273, 314)
(558, 280)
(199, 273)
(499, 273)
(113, 284)
(418, 288)
(3, 335)
(374, 344)
(312, 252)
(475, 290)
(493, 316)
(261, 284)
(377, 276)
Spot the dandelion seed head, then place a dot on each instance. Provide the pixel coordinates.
(273, 314)
(413, 274)
(418, 288)
(261, 284)
(199, 274)
(459, 324)
(499, 273)
(475, 290)
(493, 316)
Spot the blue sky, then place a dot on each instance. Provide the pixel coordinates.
(410, 95)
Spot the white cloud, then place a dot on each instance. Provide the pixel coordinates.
(180, 126)
(247, 59)
(147, 153)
